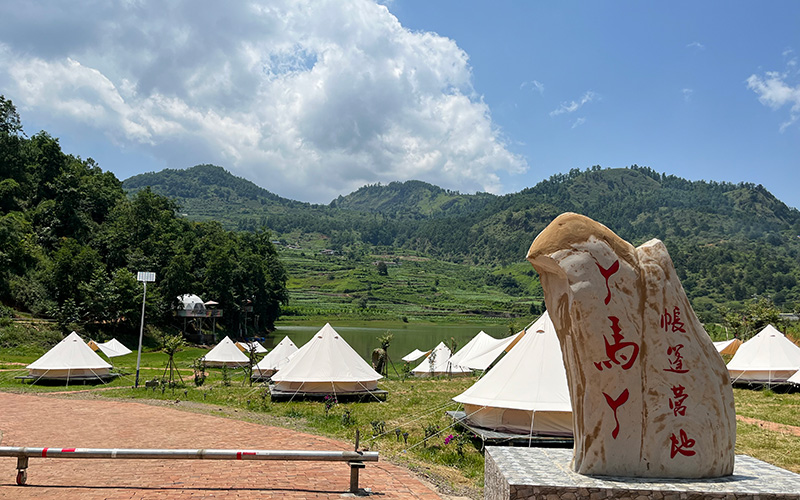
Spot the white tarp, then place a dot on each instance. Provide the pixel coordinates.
(527, 390)
(113, 348)
(276, 359)
(246, 347)
(326, 364)
(226, 354)
(414, 355)
(767, 357)
(441, 364)
(728, 346)
(70, 358)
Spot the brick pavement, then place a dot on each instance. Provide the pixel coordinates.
(27, 420)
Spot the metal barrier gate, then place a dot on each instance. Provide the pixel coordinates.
(355, 459)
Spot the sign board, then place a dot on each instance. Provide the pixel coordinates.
(146, 277)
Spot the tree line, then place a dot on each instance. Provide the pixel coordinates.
(71, 242)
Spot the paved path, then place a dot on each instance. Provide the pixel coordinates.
(27, 420)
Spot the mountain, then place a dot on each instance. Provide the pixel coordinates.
(729, 241)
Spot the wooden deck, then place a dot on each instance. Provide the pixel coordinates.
(364, 396)
(497, 438)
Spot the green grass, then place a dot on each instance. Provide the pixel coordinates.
(778, 448)
(769, 406)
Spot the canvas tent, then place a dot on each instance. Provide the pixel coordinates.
(794, 379)
(414, 355)
(768, 357)
(111, 349)
(275, 359)
(70, 359)
(226, 354)
(482, 360)
(326, 364)
(245, 347)
(441, 364)
(478, 344)
(728, 347)
(526, 391)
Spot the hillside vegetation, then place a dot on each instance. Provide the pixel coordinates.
(730, 242)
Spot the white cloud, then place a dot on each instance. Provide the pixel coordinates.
(687, 94)
(572, 106)
(308, 99)
(774, 90)
(696, 45)
(535, 85)
(578, 122)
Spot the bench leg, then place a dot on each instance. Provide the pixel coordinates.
(354, 466)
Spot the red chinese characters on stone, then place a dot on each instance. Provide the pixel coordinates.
(618, 352)
(607, 274)
(681, 444)
(676, 361)
(677, 399)
(672, 321)
(614, 404)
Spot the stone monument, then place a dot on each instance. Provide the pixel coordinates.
(650, 395)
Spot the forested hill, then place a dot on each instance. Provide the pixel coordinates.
(729, 241)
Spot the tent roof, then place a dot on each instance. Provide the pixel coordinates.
(246, 346)
(278, 356)
(113, 348)
(226, 352)
(530, 377)
(728, 346)
(441, 364)
(479, 344)
(414, 355)
(482, 360)
(190, 301)
(327, 357)
(72, 353)
(768, 350)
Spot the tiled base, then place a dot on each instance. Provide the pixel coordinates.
(544, 473)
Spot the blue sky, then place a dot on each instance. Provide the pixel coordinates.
(313, 100)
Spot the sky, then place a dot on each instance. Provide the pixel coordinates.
(314, 99)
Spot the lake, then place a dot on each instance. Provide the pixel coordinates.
(407, 337)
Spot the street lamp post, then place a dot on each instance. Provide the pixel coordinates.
(145, 278)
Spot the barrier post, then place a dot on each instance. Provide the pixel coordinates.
(354, 466)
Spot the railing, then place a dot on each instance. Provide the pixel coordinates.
(355, 459)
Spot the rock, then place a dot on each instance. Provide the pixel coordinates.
(650, 395)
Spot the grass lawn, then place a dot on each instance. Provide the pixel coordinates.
(414, 406)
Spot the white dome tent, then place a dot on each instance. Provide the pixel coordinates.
(526, 392)
(768, 357)
(111, 349)
(69, 360)
(326, 364)
(226, 354)
(275, 359)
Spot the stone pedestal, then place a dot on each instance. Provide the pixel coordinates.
(542, 473)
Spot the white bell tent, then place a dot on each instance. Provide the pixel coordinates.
(326, 364)
(728, 347)
(526, 391)
(111, 349)
(275, 359)
(768, 357)
(794, 379)
(226, 354)
(246, 347)
(482, 360)
(441, 364)
(414, 355)
(479, 344)
(70, 359)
